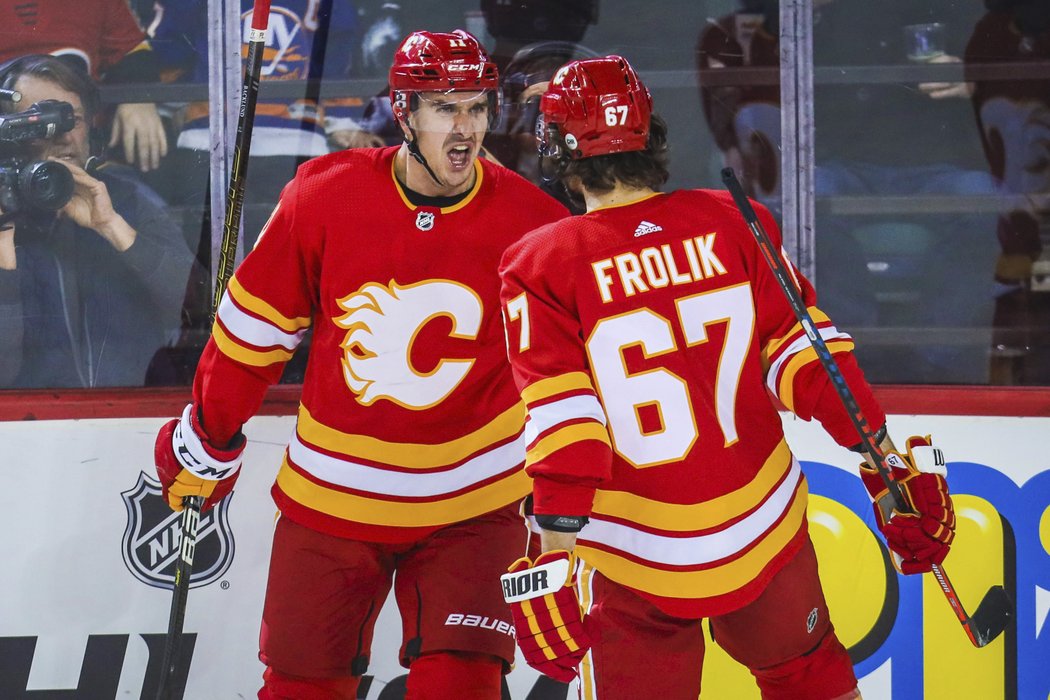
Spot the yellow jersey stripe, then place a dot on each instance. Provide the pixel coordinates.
(677, 517)
(716, 581)
(256, 358)
(479, 176)
(787, 378)
(480, 172)
(257, 306)
(818, 317)
(372, 511)
(552, 386)
(564, 437)
(624, 204)
(411, 455)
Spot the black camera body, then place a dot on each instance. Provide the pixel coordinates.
(27, 183)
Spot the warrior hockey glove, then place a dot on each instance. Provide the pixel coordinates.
(920, 539)
(188, 464)
(548, 621)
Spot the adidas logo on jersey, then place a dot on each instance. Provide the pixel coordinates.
(646, 227)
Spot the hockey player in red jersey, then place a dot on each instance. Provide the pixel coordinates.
(408, 449)
(646, 336)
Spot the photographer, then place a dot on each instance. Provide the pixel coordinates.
(105, 39)
(90, 292)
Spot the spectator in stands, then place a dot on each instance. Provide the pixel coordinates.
(301, 45)
(744, 117)
(104, 38)
(919, 141)
(1012, 107)
(87, 296)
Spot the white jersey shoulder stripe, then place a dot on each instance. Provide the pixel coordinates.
(801, 343)
(255, 331)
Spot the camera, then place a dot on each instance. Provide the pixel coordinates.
(27, 183)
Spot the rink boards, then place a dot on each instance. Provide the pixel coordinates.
(88, 548)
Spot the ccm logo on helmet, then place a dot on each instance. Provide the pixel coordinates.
(464, 67)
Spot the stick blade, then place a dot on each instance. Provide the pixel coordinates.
(992, 616)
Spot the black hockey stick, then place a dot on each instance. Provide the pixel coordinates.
(996, 609)
(191, 505)
(191, 514)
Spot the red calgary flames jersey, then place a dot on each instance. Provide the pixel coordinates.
(99, 32)
(409, 417)
(646, 340)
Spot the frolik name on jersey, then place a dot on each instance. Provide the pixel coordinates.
(656, 267)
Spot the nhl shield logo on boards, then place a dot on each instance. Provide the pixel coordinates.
(153, 537)
(425, 220)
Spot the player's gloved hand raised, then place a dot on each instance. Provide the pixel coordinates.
(920, 539)
(548, 622)
(188, 464)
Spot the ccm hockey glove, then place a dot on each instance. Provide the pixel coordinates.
(188, 464)
(548, 621)
(921, 539)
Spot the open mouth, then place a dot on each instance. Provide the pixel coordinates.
(459, 156)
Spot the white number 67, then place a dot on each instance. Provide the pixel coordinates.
(616, 115)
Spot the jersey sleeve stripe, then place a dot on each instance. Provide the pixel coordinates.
(253, 330)
(799, 345)
(677, 517)
(563, 437)
(262, 308)
(407, 454)
(373, 511)
(235, 351)
(786, 382)
(552, 386)
(545, 416)
(819, 318)
(714, 581)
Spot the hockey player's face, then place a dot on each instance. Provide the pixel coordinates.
(71, 146)
(450, 128)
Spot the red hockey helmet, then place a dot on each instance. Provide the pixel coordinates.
(441, 62)
(597, 106)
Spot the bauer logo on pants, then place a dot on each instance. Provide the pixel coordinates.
(153, 536)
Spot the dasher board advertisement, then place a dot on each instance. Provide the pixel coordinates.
(89, 547)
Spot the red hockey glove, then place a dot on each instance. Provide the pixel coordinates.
(920, 539)
(548, 621)
(189, 465)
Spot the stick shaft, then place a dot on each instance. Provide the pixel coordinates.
(191, 511)
(867, 435)
(241, 150)
(227, 260)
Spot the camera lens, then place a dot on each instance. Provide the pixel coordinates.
(45, 185)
